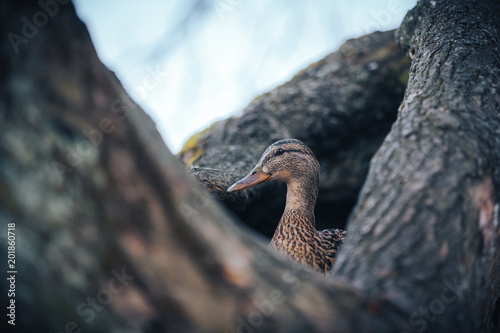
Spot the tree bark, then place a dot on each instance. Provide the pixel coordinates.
(112, 234)
(438, 174)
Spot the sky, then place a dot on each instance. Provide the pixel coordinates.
(189, 63)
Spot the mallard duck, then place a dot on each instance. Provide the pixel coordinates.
(292, 162)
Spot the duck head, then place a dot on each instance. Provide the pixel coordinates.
(290, 161)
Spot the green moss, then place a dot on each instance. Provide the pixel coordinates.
(192, 149)
(193, 158)
(258, 97)
(404, 76)
(190, 144)
(304, 70)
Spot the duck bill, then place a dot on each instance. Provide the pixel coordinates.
(253, 178)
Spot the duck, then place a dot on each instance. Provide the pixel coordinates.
(294, 163)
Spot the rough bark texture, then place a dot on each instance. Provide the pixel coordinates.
(113, 236)
(438, 173)
(341, 106)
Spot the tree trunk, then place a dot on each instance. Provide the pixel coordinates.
(424, 234)
(112, 235)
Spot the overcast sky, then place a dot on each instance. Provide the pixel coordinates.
(189, 63)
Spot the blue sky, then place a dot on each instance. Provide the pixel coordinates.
(189, 63)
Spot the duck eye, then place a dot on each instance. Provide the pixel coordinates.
(280, 151)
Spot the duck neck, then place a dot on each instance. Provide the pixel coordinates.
(301, 199)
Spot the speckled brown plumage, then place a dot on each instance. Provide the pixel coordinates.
(292, 162)
(297, 237)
